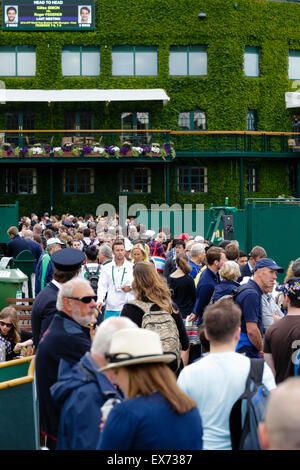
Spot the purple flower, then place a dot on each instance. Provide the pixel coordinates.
(124, 150)
(146, 148)
(167, 148)
(47, 149)
(109, 149)
(87, 149)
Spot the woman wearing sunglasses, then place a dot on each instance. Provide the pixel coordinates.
(11, 336)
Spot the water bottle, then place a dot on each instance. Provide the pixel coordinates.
(107, 407)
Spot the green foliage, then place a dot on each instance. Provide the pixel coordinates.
(225, 93)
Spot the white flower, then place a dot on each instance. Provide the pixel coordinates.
(37, 150)
(98, 149)
(138, 149)
(155, 149)
(56, 149)
(116, 149)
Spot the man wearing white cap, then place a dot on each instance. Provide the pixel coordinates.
(45, 267)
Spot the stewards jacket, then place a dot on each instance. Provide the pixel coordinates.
(43, 311)
(81, 390)
(64, 339)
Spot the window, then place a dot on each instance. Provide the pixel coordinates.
(134, 60)
(251, 120)
(82, 61)
(135, 180)
(192, 179)
(192, 121)
(188, 60)
(251, 61)
(294, 65)
(78, 180)
(252, 180)
(135, 120)
(20, 181)
(17, 61)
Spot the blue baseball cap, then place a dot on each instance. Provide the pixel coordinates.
(68, 259)
(268, 263)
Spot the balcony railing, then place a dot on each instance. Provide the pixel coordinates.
(166, 144)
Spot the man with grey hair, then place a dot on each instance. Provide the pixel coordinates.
(280, 429)
(197, 259)
(81, 390)
(104, 254)
(67, 337)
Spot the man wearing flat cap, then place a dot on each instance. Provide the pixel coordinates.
(68, 337)
(67, 264)
(249, 298)
(282, 339)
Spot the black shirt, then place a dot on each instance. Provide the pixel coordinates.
(183, 293)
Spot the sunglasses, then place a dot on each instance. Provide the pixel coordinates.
(86, 300)
(8, 325)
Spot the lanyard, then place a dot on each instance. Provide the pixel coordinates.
(113, 277)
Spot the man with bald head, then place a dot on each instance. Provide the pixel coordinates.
(281, 427)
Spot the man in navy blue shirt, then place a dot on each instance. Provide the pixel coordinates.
(215, 258)
(16, 244)
(255, 255)
(249, 299)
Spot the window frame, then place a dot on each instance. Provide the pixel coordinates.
(296, 53)
(252, 184)
(192, 119)
(17, 50)
(249, 49)
(132, 176)
(12, 172)
(77, 172)
(189, 50)
(189, 169)
(81, 50)
(134, 50)
(252, 119)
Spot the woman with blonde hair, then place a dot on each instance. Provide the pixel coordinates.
(10, 334)
(156, 415)
(139, 253)
(152, 292)
(229, 272)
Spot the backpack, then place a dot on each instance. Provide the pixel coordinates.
(235, 293)
(93, 277)
(249, 410)
(163, 323)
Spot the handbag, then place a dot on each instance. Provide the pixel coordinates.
(192, 330)
(159, 261)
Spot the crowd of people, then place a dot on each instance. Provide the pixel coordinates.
(160, 330)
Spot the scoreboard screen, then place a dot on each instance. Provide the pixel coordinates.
(48, 15)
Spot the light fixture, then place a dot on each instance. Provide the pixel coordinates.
(201, 16)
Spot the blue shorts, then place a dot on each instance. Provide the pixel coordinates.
(111, 313)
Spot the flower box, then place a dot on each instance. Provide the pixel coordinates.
(65, 154)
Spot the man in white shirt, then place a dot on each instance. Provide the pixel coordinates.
(115, 281)
(217, 380)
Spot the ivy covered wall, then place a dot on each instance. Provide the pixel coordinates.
(225, 93)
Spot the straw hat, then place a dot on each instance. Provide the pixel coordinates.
(131, 346)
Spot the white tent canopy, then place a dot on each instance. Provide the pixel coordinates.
(292, 100)
(87, 95)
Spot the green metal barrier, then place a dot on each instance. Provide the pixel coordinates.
(14, 369)
(19, 413)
